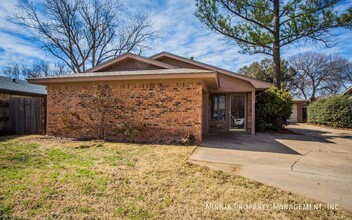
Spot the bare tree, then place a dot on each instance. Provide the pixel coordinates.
(43, 68)
(13, 71)
(318, 74)
(85, 33)
(40, 68)
(99, 118)
(347, 76)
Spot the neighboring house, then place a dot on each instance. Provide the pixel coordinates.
(347, 92)
(164, 97)
(22, 107)
(299, 111)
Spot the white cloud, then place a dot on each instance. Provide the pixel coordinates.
(181, 33)
(18, 50)
(16, 42)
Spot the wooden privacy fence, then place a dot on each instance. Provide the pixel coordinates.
(22, 115)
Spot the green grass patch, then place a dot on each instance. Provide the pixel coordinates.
(6, 211)
(58, 179)
(57, 155)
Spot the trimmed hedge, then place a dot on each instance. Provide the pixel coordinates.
(334, 111)
(273, 109)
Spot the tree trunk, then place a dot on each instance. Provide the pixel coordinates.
(276, 45)
(312, 97)
(277, 68)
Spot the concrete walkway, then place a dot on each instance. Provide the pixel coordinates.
(316, 162)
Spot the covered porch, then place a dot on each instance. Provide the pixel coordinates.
(229, 108)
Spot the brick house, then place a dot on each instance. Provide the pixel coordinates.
(159, 99)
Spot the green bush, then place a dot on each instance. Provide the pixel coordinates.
(273, 108)
(335, 111)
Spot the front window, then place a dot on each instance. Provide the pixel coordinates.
(218, 104)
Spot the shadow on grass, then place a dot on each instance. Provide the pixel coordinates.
(9, 137)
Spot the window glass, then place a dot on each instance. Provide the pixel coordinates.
(218, 105)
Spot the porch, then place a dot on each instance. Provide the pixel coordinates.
(229, 107)
(243, 141)
(228, 112)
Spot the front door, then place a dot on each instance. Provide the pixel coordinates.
(237, 112)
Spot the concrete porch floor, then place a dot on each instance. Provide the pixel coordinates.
(243, 141)
(316, 162)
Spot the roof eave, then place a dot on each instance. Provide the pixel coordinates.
(347, 91)
(214, 68)
(209, 77)
(24, 93)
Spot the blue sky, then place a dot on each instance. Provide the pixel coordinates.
(180, 33)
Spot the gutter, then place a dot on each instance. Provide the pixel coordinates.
(50, 80)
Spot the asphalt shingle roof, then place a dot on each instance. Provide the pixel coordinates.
(21, 87)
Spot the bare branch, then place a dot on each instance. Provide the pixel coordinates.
(318, 74)
(83, 33)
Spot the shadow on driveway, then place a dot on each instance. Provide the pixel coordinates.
(324, 134)
(272, 142)
(242, 141)
(313, 161)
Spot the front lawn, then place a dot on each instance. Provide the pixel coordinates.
(53, 178)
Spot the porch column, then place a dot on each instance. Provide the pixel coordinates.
(253, 113)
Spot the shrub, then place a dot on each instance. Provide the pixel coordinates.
(129, 131)
(273, 108)
(335, 111)
(189, 139)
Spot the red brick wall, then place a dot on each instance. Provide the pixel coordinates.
(163, 112)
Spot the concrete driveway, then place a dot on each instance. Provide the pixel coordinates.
(315, 162)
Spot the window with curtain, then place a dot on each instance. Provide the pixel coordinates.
(218, 107)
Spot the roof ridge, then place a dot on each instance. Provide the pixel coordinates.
(129, 55)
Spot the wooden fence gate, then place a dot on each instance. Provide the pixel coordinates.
(23, 115)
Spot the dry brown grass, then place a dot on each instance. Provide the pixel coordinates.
(55, 178)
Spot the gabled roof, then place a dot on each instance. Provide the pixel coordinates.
(21, 87)
(258, 84)
(160, 66)
(348, 91)
(126, 56)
